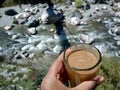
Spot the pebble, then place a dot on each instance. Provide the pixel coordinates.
(26, 47)
(8, 27)
(31, 31)
(31, 55)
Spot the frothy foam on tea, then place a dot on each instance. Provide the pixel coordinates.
(82, 59)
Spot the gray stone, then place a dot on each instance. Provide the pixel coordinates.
(31, 55)
(32, 30)
(92, 1)
(23, 15)
(51, 15)
(86, 39)
(26, 47)
(75, 21)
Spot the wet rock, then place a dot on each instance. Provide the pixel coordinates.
(75, 21)
(42, 46)
(32, 31)
(23, 15)
(85, 6)
(26, 47)
(6, 21)
(57, 49)
(93, 1)
(116, 19)
(14, 37)
(1, 49)
(8, 27)
(118, 53)
(83, 23)
(115, 30)
(34, 39)
(117, 14)
(118, 6)
(118, 43)
(31, 55)
(20, 55)
(33, 23)
(104, 7)
(21, 40)
(97, 9)
(51, 15)
(34, 10)
(86, 39)
(8, 54)
(73, 13)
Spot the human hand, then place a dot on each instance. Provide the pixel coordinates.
(57, 76)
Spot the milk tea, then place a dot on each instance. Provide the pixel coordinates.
(82, 66)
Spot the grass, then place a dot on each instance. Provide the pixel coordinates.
(78, 3)
(110, 70)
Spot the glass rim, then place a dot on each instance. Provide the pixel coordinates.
(78, 69)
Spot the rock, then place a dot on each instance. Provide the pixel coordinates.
(26, 47)
(77, 13)
(33, 23)
(75, 21)
(8, 54)
(1, 49)
(32, 31)
(86, 7)
(86, 39)
(104, 7)
(42, 46)
(118, 53)
(8, 27)
(83, 23)
(14, 37)
(117, 14)
(57, 49)
(51, 15)
(116, 30)
(118, 43)
(20, 55)
(52, 30)
(34, 10)
(97, 8)
(118, 6)
(23, 15)
(116, 19)
(74, 13)
(31, 55)
(92, 1)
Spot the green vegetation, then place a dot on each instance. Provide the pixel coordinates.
(110, 69)
(78, 3)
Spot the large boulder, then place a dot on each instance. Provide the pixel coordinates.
(51, 15)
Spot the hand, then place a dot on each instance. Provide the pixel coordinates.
(57, 76)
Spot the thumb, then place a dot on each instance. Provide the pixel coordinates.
(90, 85)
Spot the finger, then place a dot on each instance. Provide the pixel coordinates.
(90, 85)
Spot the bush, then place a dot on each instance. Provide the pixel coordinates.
(78, 3)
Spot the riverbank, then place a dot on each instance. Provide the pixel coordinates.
(30, 38)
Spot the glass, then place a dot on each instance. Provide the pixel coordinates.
(82, 62)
